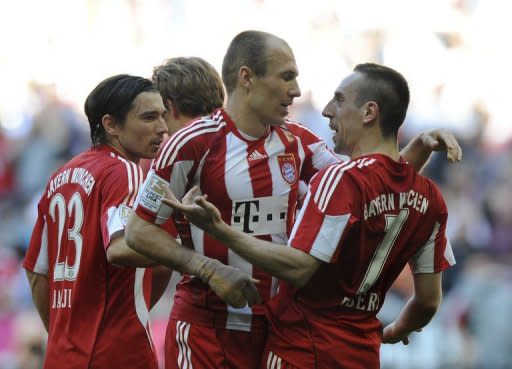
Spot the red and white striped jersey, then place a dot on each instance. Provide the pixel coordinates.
(365, 219)
(98, 311)
(253, 182)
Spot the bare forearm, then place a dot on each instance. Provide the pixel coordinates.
(40, 295)
(413, 316)
(283, 262)
(118, 253)
(229, 283)
(157, 245)
(416, 153)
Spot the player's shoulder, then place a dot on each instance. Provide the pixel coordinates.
(198, 128)
(338, 173)
(108, 165)
(195, 137)
(429, 187)
(356, 168)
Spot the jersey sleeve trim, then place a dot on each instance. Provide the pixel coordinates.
(425, 260)
(41, 265)
(327, 239)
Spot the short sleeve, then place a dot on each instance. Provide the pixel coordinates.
(36, 258)
(325, 215)
(436, 254)
(118, 191)
(174, 168)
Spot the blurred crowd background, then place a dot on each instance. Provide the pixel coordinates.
(455, 54)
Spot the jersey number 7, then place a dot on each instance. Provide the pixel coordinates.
(394, 224)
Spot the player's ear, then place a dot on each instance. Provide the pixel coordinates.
(370, 112)
(245, 75)
(110, 125)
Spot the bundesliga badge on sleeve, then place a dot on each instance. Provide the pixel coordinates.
(288, 167)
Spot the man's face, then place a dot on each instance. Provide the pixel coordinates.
(271, 95)
(144, 128)
(345, 117)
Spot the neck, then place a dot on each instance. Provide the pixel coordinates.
(179, 122)
(245, 120)
(373, 145)
(116, 145)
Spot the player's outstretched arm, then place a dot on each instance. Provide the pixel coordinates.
(118, 253)
(286, 263)
(40, 294)
(418, 311)
(418, 150)
(229, 283)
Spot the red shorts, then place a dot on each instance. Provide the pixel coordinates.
(190, 346)
(272, 361)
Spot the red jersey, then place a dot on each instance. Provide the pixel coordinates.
(365, 219)
(253, 182)
(98, 311)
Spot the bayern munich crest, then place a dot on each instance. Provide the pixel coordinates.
(288, 167)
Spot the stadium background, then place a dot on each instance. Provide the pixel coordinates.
(455, 53)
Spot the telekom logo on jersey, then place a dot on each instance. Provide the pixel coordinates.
(261, 215)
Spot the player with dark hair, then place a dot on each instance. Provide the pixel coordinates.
(95, 310)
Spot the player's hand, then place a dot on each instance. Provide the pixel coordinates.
(229, 283)
(390, 335)
(443, 140)
(196, 208)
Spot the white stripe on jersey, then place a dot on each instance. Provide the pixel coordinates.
(328, 183)
(135, 176)
(326, 178)
(177, 185)
(182, 137)
(184, 350)
(179, 175)
(328, 237)
(238, 319)
(114, 223)
(448, 253)
(140, 303)
(273, 361)
(237, 187)
(170, 145)
(298, 221)
(41, 266)
(423, 261)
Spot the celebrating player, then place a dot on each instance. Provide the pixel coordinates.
(362, 221)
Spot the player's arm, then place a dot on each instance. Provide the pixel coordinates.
(418, 150)
(427, 266)
(40, 295)
(418, 311)
(230, 284)
(118, 253)
(291, 265)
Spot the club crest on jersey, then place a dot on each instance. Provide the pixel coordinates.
(288, 167)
